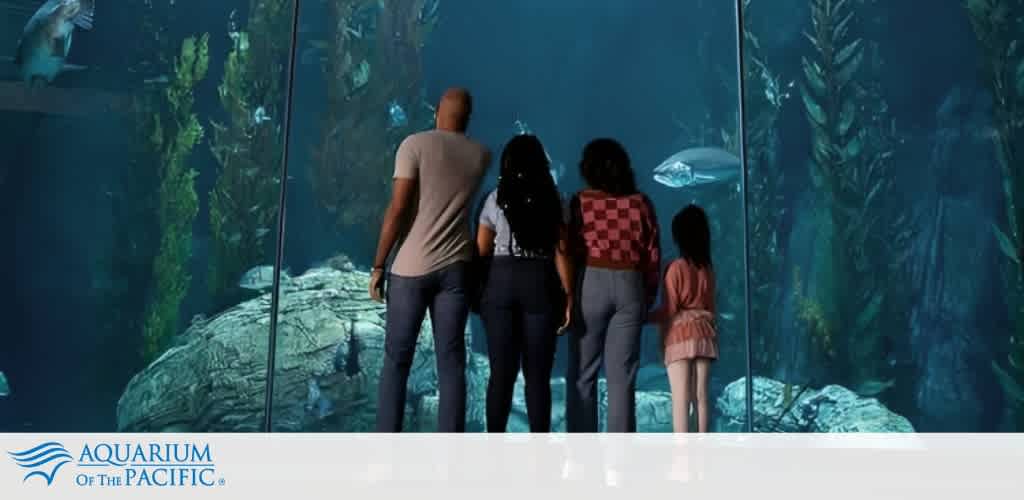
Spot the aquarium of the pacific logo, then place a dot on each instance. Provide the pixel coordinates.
(124, 465)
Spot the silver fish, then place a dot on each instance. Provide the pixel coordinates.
(873, 388)
(698, 167)
(557, 168)
(260, 278)
(5, 388)
(46, 40)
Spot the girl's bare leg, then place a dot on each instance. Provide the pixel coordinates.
(679, 381)
(703, 373)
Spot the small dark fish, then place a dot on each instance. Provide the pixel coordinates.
(352, 367)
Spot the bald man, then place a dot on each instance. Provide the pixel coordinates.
(436, 174)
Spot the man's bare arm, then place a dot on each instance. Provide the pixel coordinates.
(396, 218)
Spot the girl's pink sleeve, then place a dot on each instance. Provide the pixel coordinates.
(652, 252)
(675, 280)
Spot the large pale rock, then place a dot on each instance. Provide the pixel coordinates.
(831, 409)
(329, 350)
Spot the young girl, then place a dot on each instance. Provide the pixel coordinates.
(687, 318)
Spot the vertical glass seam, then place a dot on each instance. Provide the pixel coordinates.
(275, 293)
(743, 184)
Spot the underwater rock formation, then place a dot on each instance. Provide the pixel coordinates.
(949, 321)
(946, 322)
(330, 346)
(830, 409)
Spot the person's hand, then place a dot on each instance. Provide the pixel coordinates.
(568, 317)
(377, 285)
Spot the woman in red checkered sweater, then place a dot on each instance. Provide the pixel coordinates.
(614, 238)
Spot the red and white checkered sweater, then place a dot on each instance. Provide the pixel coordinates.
(618, 232)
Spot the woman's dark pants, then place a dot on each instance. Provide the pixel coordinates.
(522, 307)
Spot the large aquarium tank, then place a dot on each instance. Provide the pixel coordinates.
(191, 192)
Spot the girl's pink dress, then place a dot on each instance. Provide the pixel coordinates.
(687, 316)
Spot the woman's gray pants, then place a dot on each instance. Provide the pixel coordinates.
(610, 315)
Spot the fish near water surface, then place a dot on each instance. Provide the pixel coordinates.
(46, 40)
(698, 167)
(555, 168)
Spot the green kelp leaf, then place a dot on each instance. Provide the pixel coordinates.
(813, 109)
(839, 32)
(848, 51)
(978, 8)
(822, 153)
(817, 129)
(850, 68)
(846, 117)
(754, 41)
(814, 41)
(1020, 78)
(867, 316)
(817, 11)
(853, 148)
(813, 73)
(871, 195)
(1006, 244)
(1010, 386)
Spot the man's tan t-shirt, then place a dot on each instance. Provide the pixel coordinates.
(448, 168)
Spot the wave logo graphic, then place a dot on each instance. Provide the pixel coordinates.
(43, 460)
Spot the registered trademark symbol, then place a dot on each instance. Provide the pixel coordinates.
(220, 481)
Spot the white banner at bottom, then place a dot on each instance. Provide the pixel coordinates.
(294, 466)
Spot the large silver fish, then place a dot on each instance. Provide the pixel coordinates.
(46, 40)
(698, 167)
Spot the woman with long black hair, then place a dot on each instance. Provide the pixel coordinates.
(527, 292)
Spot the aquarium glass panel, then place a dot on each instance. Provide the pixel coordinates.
(140, 201)
(884, 210)
(660, 77)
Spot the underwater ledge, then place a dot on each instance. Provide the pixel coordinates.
(328, 357)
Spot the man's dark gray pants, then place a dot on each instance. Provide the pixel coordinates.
(444, 293)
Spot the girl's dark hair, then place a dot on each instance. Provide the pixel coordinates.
(605, 166)
(692, 235)
(528, 196)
